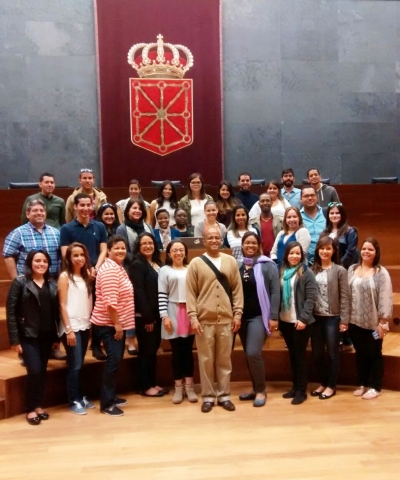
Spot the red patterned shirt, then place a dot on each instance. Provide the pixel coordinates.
(113, 289)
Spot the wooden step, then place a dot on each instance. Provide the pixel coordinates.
(394, 272)
(2, 408)
(4, 288)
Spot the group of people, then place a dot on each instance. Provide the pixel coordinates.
(294, 267)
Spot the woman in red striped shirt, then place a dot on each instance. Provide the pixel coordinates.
(113, 313)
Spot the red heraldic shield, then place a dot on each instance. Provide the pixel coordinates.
(161, 114)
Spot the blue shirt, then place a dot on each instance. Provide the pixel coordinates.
(23, 239)
(315, 227)
(91, 236)
(293, 197)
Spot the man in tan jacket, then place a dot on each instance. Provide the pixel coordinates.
(215, 310)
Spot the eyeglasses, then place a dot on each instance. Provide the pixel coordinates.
(335, 204)
(246, 276)
(86, 170)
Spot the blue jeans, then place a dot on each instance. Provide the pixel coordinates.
(115, 351)
(75, 358)
(326, 333)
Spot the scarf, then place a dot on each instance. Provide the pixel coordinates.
(133, 230)
(165, 234)
(287, 287)
(262, 294)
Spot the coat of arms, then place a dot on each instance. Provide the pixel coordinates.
(161, 100)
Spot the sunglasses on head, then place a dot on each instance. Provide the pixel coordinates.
(86, 170)
(335, 204)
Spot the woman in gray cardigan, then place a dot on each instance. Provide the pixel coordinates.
(260, 281)
(298, 296)
(331, 313)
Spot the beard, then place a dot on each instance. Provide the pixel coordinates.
(288, 183)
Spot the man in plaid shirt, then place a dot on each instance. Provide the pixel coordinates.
(34, 235)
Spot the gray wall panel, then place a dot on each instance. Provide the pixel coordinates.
(306, 83)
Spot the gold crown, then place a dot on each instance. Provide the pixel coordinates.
(160, 64)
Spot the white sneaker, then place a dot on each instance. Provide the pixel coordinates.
(87, 404)
(371, 394)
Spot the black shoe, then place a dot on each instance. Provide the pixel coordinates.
(289, 394)
(58, 355)
(132, 351)
(315, 393)
(227, 405)
(113, 411)
(299, 398)
(33, 421)
(206, 407)
(247, 396)
(98, 353)
(327, 397)
(22, 359)
(119, 402)
(43, 416)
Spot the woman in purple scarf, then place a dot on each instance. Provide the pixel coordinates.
(261, 291)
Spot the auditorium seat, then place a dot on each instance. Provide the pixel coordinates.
(327, 181)
(258, 181)
(158, 183)
(23, 185)
(384, 179)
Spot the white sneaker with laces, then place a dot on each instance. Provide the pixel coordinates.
(78, 409)
(87, 404)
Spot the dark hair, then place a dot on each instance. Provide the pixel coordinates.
(210, 202)
(69, 269)
(111, 230)
(374, 242)
(257, 237)
(322, 242)
(244, 173)
(173, 199)
(35, 201)
(233, 226)
(156, 254)
(342, 227)
(309, 170)
(224, 205)
(162, 210)
(286, 171)
(278, 186)
(285, 263)
(304, 187)
(81, 196)
(202, 190)
(113, 240)
(141, 207)
(28, 264)
(284, 222)
(135, 182)
(168, 259)
(45, 174)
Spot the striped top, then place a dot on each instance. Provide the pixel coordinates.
(113, 289)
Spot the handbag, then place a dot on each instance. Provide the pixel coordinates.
(220, 277)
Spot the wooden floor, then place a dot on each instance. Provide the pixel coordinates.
(345, 437)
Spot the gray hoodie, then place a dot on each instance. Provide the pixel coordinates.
(326, 194)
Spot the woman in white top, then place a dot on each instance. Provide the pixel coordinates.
(135, 190)
(166, 199)
(239, 226)
(175, 322)
(75, 295)
(293, 231)
(193, 203)
(211, 212)
(279, 204)
(371, 307)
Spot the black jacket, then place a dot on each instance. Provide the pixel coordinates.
(145, 286)
(23, 309)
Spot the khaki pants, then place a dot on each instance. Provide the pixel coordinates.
(214, 348)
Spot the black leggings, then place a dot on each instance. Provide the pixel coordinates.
(182, 357)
